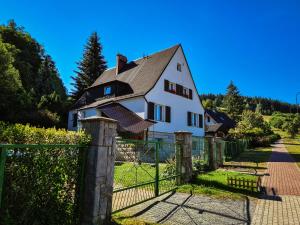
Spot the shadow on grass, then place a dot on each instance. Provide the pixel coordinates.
(290, 143)
(215, 184)
(252, 156)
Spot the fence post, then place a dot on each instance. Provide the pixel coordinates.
(211, 153)
(184, 140)
(99, 171)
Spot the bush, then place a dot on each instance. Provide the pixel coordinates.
(253, 127)
(41, 183)
(25, 134)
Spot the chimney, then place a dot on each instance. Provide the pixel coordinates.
(121, 62)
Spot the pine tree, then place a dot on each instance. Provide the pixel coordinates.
(233, 102)
(90, 67)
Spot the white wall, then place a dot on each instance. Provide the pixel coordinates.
(136, 105)
(84, 113)
(211, 122)
(179, 105)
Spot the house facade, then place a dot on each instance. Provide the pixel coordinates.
(151, 97)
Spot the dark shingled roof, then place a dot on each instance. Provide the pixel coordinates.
(141, 74)
(221, 117)
(128, 121)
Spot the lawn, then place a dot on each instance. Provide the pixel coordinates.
(118, 220)
(214, 183)
(251, 159)
(293, 147)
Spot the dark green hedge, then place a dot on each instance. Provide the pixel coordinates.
(41, 183)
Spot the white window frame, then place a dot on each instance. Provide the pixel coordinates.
(163, 112)
(185, 91)
(172, 87)
(107, 88)
(195, 119)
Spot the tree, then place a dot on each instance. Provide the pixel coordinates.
(259, 108)
(33, 74)
(233, 102)
(90, 67)
(208, 104)
(10, 83)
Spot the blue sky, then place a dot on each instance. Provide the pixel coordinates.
(255, 43)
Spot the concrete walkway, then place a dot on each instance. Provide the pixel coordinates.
(281, 204)
(188, 209)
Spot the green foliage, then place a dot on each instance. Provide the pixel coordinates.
(90, 67)
(233, 102)
(253, 126)
(41, 183)
(25, 134)
(26, 74)
(268, 106)
(10, 83)
(208, 104)
(286, 122)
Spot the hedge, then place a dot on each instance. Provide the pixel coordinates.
(25, 134)
(41, 184)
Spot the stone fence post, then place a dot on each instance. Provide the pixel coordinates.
(184, 139)
(99, 171)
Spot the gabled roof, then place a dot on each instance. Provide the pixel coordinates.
(141, 74)
(221, 117)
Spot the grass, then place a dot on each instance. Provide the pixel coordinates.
(251, 158)
(293, 147)
(128, 221)
(215, 184)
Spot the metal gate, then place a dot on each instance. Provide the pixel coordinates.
(144, 170)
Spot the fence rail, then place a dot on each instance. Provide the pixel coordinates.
(40, 183)
(253, 185)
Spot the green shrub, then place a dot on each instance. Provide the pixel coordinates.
(25, 134)
(41, 183)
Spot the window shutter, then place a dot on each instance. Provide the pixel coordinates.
(167, 85)
(179, 89)
(189, 118)
(150, 110)
(75, 118)
(190, 94)
(200, 120)
(168, 114)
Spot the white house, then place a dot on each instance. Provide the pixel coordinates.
(151, 97)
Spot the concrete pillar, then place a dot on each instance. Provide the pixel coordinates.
(211, 153)
(184, 140)
(99, 171)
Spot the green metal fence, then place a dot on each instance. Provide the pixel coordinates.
(144, 170)
(234, 148)
(40, 184)
(200, 153)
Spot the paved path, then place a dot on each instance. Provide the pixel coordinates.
(186, 209)
(281, 205)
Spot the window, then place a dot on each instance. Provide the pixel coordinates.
(172, 87)
(107, 90)
(74, 119)
(185, 92)
(179, 67)
(208, 119)
(159, 112)
(195, 120)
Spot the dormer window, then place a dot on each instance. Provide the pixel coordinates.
(107, 90)
(179, 67)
